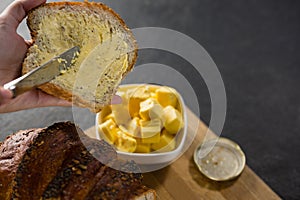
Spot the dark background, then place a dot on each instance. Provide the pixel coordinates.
(255, 45)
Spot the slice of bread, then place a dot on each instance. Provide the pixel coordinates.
(108, 50)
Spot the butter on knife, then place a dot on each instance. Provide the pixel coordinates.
(45, 73)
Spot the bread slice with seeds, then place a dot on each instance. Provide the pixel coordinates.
(108, 50)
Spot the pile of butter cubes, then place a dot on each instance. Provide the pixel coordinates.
(147, 120)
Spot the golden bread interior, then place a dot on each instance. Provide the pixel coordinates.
(107, 50)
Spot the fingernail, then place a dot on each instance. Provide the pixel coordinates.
(116, 100)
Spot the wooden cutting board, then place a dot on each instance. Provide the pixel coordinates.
(182, 180)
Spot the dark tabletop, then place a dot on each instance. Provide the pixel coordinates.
(256, 47)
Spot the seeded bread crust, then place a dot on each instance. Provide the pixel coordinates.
(10, 158)
(34, 18)
(53, 163)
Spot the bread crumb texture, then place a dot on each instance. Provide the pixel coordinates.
(107, 50)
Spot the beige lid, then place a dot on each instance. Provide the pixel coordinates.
(220, 159)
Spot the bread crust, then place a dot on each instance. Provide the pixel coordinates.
(58, 91)
(12, 151)
(57, 163)
(143, 193)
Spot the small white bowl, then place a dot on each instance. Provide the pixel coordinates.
(155, 158)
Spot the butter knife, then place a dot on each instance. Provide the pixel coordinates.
(43, 73)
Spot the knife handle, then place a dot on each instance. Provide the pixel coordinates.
(15, 87)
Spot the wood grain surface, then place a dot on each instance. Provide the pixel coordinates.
(182, 180)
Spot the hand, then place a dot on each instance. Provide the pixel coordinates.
(13, 49)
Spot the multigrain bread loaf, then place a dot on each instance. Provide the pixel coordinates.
(12, 151)
(57, 163)
(108, 50)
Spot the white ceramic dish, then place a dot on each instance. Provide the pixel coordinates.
(154, 158)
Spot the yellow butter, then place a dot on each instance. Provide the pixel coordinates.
(127, 132)
(153, 139)
(167, 142)
(147, 120)
(143, 148)
(166, 96)
(134, 127)
(121, 114)
(172, 119)
(150, 131)
(110, 116)
(104, 113)
(125, 143)
(136, 96)
(120, 111)
(107, 131)
(150, 109)
(153, 95)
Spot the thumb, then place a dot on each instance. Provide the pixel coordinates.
(17, 11)
(5, 94)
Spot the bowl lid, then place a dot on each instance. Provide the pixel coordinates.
(220, 159)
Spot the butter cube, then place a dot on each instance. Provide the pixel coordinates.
(110, 116)
(167, 142)
(153, 95)
(125, 143)
(150, 131)
(143, 148)
(150, 109)
(153, 139)
(120, 111)
(166, 96)
(104, 112)
(121, 114)
(173, 119)
(107, 131)
(129, 133)
(136, 96)
(134, 127)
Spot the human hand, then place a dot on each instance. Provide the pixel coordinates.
(13, 49)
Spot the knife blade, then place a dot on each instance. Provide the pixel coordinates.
(43, 73)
